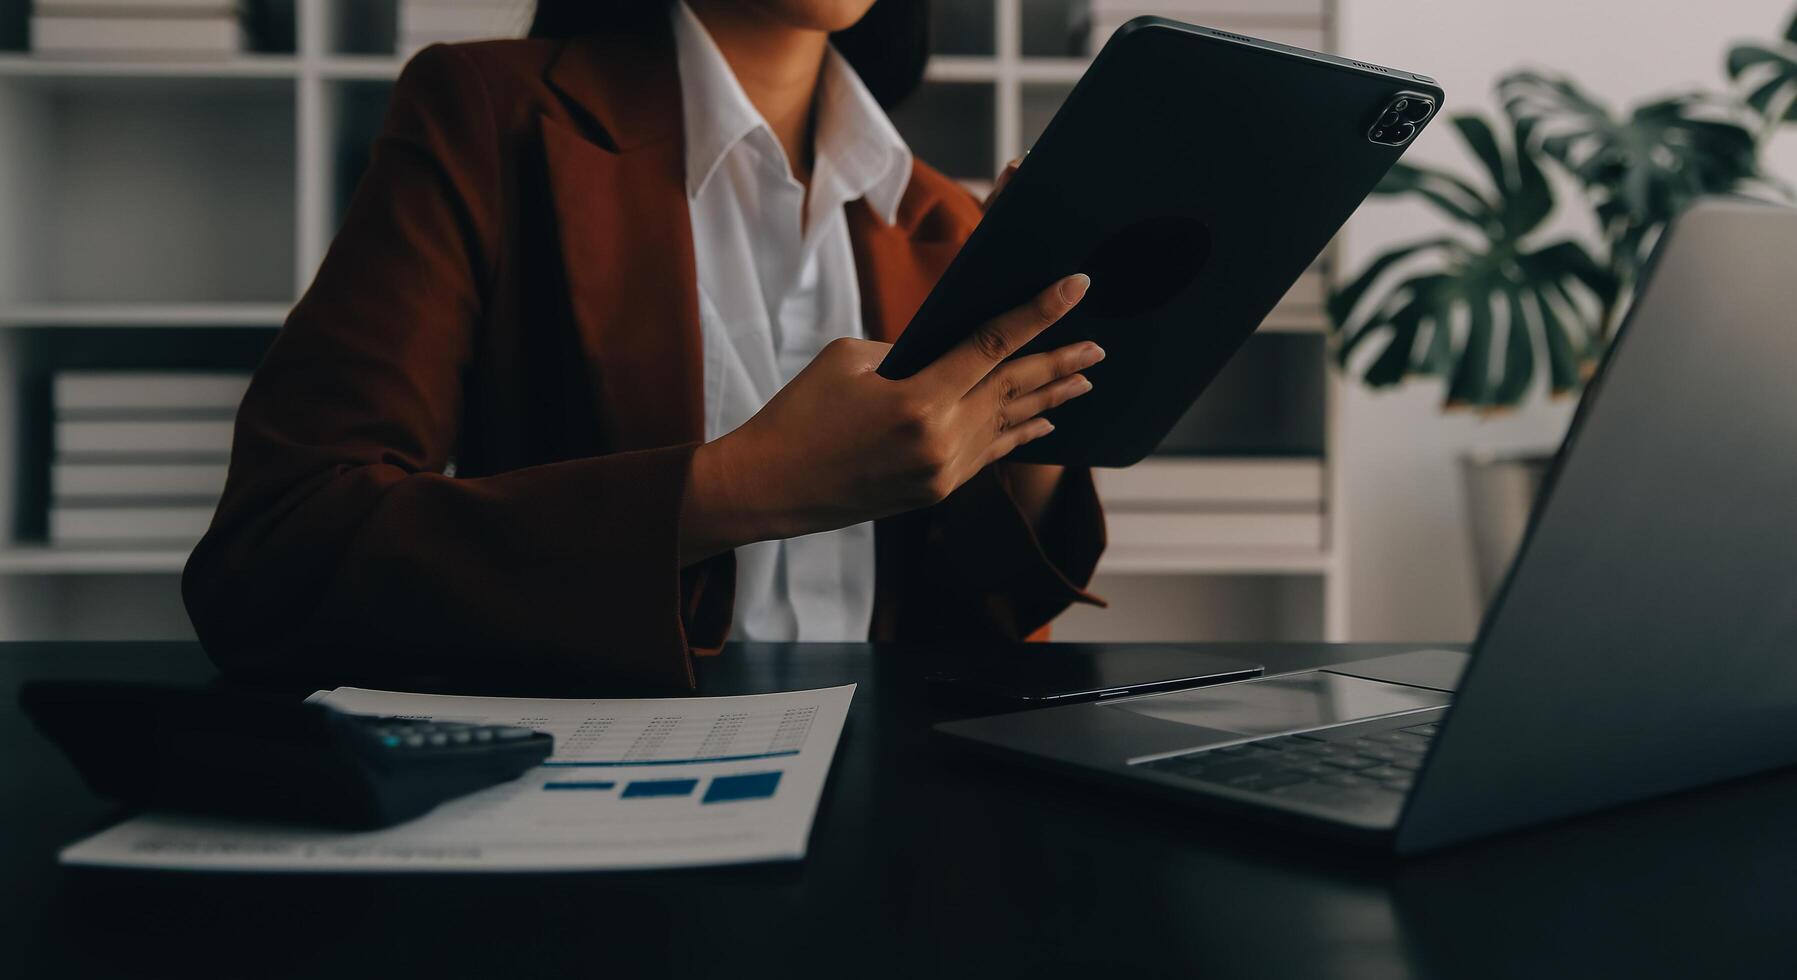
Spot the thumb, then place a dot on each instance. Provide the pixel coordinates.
(1004, 177)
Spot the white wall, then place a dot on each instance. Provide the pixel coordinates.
(1408, 572)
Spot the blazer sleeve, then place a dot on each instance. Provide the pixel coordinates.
(340, 545)
(973, 568)
(1016, 577)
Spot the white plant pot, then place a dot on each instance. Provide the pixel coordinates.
(1500, 491)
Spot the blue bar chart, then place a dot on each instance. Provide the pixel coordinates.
(650, 788)
(746, 786)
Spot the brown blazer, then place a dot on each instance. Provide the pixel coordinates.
(513, 292)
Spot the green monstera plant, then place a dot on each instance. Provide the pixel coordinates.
(1485, 305)
(1641, 169)
(1486, 289)
(1768, 73)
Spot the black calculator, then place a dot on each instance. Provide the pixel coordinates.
(250, 755)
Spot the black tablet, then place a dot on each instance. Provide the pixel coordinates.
(1194, 174)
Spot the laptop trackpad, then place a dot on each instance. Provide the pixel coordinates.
(1288, 703)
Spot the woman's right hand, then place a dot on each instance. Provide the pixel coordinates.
(840, 444)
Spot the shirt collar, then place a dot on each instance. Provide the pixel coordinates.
(856, 145)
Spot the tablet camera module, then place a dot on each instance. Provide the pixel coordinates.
(1398, 122)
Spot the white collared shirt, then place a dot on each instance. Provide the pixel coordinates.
(775, 286)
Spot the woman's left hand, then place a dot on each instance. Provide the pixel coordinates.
(1032, 485)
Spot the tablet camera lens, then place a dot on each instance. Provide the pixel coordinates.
(1400, 119)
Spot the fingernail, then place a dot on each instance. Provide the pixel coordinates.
(1073, 288)
(1084, 385)
(1046, 426)
(1092, 355)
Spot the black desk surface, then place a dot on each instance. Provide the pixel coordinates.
(927, 862)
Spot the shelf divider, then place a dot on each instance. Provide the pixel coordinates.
(144, 314)
(42, 559)
(24, 65)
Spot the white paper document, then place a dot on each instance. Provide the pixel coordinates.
(632, 784)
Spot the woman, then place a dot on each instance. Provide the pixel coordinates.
(564, 396)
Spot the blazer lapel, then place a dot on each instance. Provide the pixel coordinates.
(625, 233)
(897, 264)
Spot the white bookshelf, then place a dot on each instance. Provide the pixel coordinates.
(168, 213)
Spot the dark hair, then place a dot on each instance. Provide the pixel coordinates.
(888, 47)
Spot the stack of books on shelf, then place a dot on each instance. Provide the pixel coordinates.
(137, 28)
(426, 22)
(140, 456)
(1167, 505)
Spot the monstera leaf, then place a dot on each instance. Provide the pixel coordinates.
(1641, 169)
(1476, 308)
(1769, 75)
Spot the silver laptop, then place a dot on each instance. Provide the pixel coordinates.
(1644, 642)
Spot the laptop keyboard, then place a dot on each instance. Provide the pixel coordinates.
(1351, 771)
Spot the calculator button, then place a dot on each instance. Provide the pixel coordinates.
(483, 735)
(1354, 762)
(1184, 765)
(414, 741)
(460, 738)
(510, 733)
(1265, 780)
